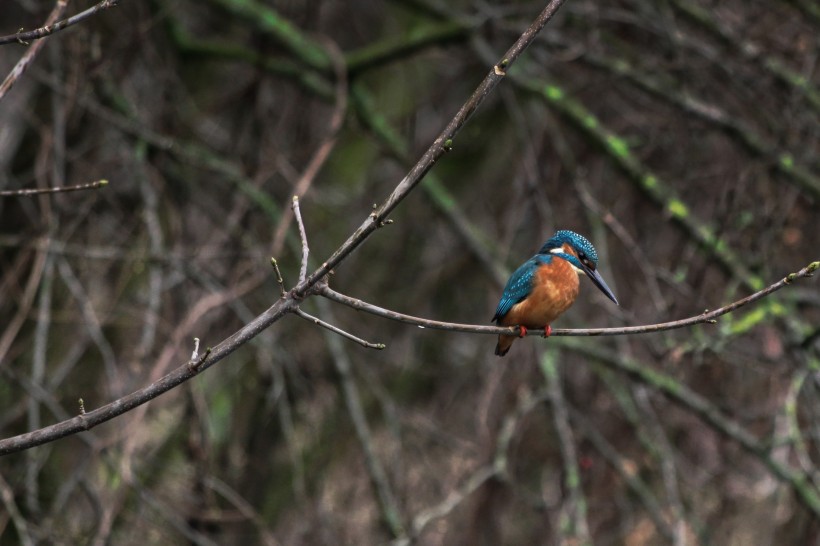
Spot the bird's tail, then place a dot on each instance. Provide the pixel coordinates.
(504, 344)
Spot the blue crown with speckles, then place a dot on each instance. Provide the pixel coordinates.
(578, 242)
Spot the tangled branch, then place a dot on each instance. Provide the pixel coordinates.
(290, 301)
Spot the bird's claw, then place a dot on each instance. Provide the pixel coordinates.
(522, 331)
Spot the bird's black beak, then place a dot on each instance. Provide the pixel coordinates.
(596, 278)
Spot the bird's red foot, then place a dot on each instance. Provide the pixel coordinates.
(547, 330)
(522, 332)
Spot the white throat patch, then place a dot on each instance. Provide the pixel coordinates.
(560, 250)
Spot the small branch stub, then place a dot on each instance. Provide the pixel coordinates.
(195, 354)
(279, 278)
(303, 236)
(337, 330)
(196, 360)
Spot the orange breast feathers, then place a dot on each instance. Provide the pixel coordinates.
(555, 287)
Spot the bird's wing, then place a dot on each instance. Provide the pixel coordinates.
(519, 286)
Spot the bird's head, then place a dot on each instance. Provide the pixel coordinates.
(581, 255)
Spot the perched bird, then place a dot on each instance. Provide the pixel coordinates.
(546, 285)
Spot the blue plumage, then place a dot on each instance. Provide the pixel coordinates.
(519, 285)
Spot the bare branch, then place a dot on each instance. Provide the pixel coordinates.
(339, 331)
(23, 63)
(323, 151)
(61, 189)
(51, 28)
(279, 280)
(303, 236)
(706, 317)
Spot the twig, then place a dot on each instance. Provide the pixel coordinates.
(279, 280)
(319, 157)
(93, 324)
(453, 500)
(303, 237)
(195, 354)
(706, 317)
(339, 331)
(391, 512)
(23, 63)
(17, 518)
(61, 189)
(243, 506)
(49, 29)
(24, 306)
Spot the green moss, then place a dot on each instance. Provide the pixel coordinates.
(590, 122)
(618, 146)
(553, 93)
(757, 316)
(787, 161)
(756, 283)
(678, 208)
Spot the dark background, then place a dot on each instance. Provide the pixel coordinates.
(681, 137)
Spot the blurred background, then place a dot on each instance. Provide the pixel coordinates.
(681, 137)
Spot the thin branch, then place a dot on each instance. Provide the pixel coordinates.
(24, 305)
(706, 317)
(303, 236)
(279, 280)
(322, 153)
(453, 500)
(339, 331)
(23, 63)
(390, 510)
(60, 189)
(49, 28)
(17, 518)
(244, 507)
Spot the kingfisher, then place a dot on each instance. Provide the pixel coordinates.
(546, 285)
